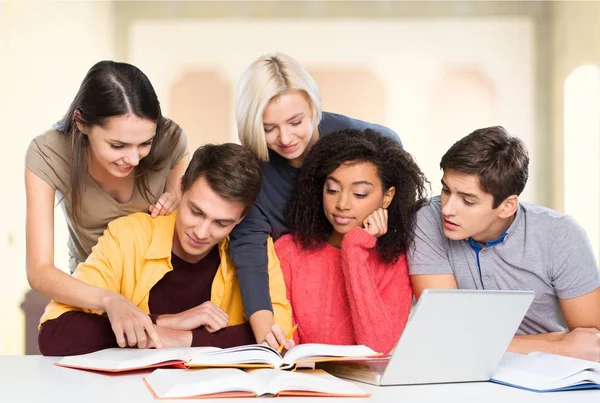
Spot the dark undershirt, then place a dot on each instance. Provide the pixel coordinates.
(186, 286)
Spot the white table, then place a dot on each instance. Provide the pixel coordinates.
(36, 379)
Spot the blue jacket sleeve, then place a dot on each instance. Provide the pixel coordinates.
(248, 250)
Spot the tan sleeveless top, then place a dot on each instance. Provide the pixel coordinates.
(49, 156)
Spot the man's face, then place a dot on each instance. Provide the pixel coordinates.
(466, 209)
(204, 219)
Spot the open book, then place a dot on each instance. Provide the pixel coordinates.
(250, 356)
(542, 372)
(231, 382)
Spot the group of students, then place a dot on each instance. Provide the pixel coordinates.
(316, 219)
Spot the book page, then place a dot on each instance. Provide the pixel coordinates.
(119, 359)
(317, 381)
(180, 383)
(542, 371)
(318, 352)
(251, 355)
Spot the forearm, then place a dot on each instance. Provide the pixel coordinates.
(545, 342)
(74, 333)
(261, 323)
(67, 289)
(230, 336)
(379, 308)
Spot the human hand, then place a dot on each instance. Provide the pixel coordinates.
(376, 223)
(165, 205)
(207, 314)
(131, 326)
(582, 343)
(276, 338)
(171, 338)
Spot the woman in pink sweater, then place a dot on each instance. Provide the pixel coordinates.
(352, 215)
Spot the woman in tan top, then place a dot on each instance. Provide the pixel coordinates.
(112, 154)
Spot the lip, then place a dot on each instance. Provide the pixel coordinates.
(124, 170)
(449, 224)
(289, 149)
(342, 219)
(194, 243)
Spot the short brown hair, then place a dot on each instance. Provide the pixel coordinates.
(500, 160)
(231, 170)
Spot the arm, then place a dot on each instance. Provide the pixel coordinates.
(42, 275)
(428, 261)
(169, 200)
(248, 250)
(94, 332)
(379, 304)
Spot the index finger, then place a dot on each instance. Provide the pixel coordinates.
(153, 335)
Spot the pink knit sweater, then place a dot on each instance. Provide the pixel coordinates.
(347, 295)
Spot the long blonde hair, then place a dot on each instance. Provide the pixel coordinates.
(266, 78)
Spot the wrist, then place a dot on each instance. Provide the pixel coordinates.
(185, 337)
(166, 320)
(107, 298)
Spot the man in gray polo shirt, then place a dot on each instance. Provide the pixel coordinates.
(477, 235)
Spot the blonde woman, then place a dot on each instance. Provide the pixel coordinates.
(279, 117)
(112, 154)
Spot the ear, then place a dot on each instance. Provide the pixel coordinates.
(80, 126)
(388, 196)
(509, 206)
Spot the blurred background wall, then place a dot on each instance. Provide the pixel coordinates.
(432, 71)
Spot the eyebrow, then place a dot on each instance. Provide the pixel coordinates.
(128, 144)
(224, 220)
(296, 116)
(353, 183)
(464, 194)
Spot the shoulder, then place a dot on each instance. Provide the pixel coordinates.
(430, 214)
(133, 225)
(286, 246)
(331, 122)
(49, 143)
(543, 219)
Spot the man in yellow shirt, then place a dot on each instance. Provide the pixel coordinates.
(175, 268)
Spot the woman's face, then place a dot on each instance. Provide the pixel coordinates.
(351, 193)
(288, 125)
(119, 146)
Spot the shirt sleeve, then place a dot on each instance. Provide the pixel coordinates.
(180, 149)
(49, 161)
(574, 271)
(376, 294)
(428, 253)
(248, 250)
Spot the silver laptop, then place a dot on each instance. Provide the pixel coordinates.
(451, 336)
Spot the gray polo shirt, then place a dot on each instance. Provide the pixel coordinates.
(543, 250)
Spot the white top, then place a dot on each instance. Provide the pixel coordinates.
(36, 379)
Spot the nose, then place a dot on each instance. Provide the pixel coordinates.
(285, 137)
(132, 157)
(202, 230)
(448, 209)
(343, 202)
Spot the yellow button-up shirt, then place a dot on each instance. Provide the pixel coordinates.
(134, 253)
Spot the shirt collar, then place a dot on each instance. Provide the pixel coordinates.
(163, 231)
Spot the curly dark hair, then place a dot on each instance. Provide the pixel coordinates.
(395, 167)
